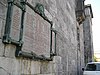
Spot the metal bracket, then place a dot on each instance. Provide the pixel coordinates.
(6, 38)
(40, 8)
(31, 55)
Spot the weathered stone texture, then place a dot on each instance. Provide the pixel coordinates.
(18, 67)
(2, 24)
(81, 49)
(9, 51)
(16, 22)
(37, 34)
(69, 59)
(2, 16)
(66, 38)
(1, 48)
(88, 38)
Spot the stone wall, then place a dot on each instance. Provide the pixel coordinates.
(69, 59)
(88, 38)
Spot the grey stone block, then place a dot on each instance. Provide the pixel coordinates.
(1, 48)
(18, 66)
(10, 51)
(57, 59)
(47, 67)
(3, 71)
(8, 65)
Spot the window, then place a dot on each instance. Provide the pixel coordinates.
(98, 67)
(91, 67)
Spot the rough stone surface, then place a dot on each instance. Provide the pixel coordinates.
(1, 48)
(18, 67)
(88, 38)
(3, 71)
(3, 10)
(36, 38)
(37, 34)
(16, 22)
(2, 16)
(9, 51)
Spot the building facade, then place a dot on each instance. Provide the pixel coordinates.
(42, 37)
(88, 37)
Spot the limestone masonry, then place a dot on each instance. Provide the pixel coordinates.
(45, 37)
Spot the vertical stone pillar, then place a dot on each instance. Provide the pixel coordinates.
(58, 65)
(88, 39)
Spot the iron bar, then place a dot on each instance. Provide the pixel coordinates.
(22, 21)
(55, 44)
(51, 52)
(18, 5)
(53, 30)
(32, 56)
(6, 37)
(14, 42)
